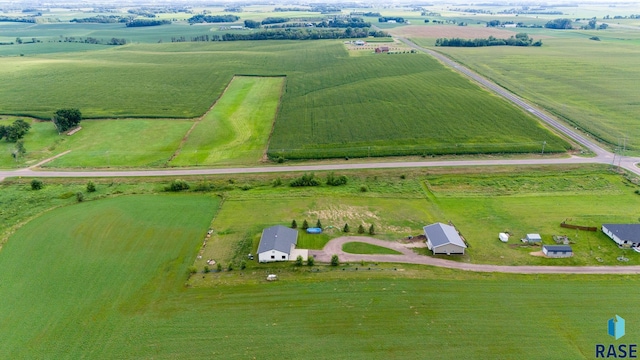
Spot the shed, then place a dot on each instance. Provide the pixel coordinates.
(533, 238)
(359, 42)
(382, 49)
(627, 235)
(444, 239)
(557, 251)
(277, 243)
(504, 237)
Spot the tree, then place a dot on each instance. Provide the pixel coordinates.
(15, 131)
(311, 260)
(294, 224)
(65, 119)
(372, 231)
(335, 261)
(319, 224)
(91, 187)
(19, 150)
(305, 225)
(345, 228)
(360, 229)
(251, 24)
(299, 260)
(36, 184)
(230, 267)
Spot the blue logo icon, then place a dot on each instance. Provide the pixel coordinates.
(616, 327)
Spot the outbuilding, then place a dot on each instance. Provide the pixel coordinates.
(557, 251)
(444, 239)
(277, 243)
(625, 235)
(533, 238)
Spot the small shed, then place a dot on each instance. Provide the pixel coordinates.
(504, 237)
(533, 238)
(557, 251)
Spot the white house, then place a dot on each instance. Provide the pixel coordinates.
(277, 243)
(557, 251)
(444, 239)
(627, 235)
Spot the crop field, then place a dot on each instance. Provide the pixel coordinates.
(333, 105)
(571, 78)
(236, 129)
(122, 264)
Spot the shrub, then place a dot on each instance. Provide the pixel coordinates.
(36, 184)
(403, 176)
(219, 267)
(206, 269)
(230, 267)
(277, 182)
(245, 187)
(177, 185)
(305, 180)
(280, 159)
(305, 225)
(294, 224)
(364, 188)
(243, 265)
(335, 261)
(336, 180)
(311, 260)
(299, 260)
(91, 187)
(360, 229)
(80, 196)
(372, 231)
(203, 186)
(192, 270)
(345, 228)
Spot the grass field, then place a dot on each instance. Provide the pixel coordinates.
(333, 105)
(236, 130)
(571, 78)
(364, 248)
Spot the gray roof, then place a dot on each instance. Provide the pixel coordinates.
(441, 234)
(277, 238)
(629, 232)
(558, 248)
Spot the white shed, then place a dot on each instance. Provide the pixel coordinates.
(504, 237)
(533, 238)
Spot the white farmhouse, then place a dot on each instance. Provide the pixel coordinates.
(623, 234)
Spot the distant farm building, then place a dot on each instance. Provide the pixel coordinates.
(359, 43)
(557, 251)
(278, 243)
(444, 239)
(382, 49)
(532, 239)
(625, 235)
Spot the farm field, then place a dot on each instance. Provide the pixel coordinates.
(129, 298)
(324, 88)
(569, 77)
(236, 129)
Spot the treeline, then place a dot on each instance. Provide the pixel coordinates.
(386, 19)
(24, 19)
(360, 13)
(287, 34)
(521, 39)
(102, 19)
(142, 12)
(197, 19)
(559, 24)
(353, 22)
(147, 22)
(274, 20)
(92, 40)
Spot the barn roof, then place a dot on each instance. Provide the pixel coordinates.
(628, 232)
(277, 238)
(441, 234)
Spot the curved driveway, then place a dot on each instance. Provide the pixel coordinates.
(409, 257)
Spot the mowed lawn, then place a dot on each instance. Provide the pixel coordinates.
(77, 278)
(40, 142)
(236, 130)
(572, 78)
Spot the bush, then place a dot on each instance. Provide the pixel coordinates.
(243, 265)
(177, 185)
(230, 267)
(336, 180)
(206, 269)
(91, 187)
(360, 229)
(80, 196)
(305, 225)
(305, 180)
(311, 260)
(299, 260)
(203, 186)
(192, 270)
(372, 231)
(219, 267)
(245, 187)
(345, 228)
(364, 188)
(277, 182)
(335, 261)
(294, 224)
(36, 184)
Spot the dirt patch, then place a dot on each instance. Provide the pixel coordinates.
(343, 213)
(450, 31)
(537, 253)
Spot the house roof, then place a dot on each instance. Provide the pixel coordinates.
(441, 234)
(629, 232)
(558, 248)
(277, 238)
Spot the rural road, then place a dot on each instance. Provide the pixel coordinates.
(602, 155)
(409, 257)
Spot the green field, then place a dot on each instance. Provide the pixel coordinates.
(333, 105)
(364, 248)
(570, 77)
(236, 129)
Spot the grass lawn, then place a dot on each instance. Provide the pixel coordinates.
(40, 143)
(236, 130)
(569, 77)
(364, 248)
(84, 278)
